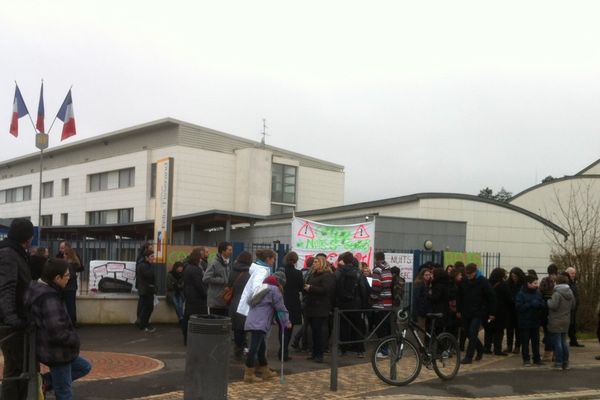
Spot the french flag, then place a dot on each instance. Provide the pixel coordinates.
(66, 115)
(39, 124)
(19, 111)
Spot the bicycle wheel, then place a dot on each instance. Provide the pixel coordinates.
(446, 356)
(400, 364)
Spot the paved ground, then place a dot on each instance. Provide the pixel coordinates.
(129, 364)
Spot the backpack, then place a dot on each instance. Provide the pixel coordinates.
(347, 285)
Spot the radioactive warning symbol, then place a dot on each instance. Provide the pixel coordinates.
(361, 233)
(306, 231)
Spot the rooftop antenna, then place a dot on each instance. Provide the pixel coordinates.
(264, 132)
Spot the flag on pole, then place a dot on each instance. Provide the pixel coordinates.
(39, 124)
(19, 110)
(66, 115)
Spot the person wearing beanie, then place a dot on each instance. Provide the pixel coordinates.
(15, 277)
(267, 300)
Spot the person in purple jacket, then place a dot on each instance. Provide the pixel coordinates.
(267, 300)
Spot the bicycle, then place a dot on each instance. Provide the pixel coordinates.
(402, 360)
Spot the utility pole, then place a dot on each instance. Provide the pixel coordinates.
(264, 133)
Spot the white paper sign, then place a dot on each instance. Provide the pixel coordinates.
(404, 262)
(120, 270)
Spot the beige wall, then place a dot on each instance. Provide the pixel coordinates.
(119, 309)
(318, 188)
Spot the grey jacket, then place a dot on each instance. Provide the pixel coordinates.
(560, 306)
(215, 278)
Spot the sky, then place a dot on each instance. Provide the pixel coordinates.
(409, 96)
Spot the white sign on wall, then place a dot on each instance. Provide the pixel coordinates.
(404, 262)
(112, 276)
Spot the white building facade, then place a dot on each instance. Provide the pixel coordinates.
(109, 179)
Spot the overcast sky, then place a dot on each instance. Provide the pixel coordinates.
(410, 96)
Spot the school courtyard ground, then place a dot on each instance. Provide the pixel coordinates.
(129, 364)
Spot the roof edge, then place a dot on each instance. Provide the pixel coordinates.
(564, 178)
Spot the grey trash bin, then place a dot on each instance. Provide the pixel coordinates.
(207, 357)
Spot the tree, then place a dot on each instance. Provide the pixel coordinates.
(549, 178)
(502, 195)
(578, 213)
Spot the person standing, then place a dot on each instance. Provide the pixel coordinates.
(175, 290)
(215, 278)
(15, 278)
(37, 259)
(351, 294)
(70, 291)
(573, 342)
(57, 343)
(440, 298)
(146, 282)
(320, 292)
(530, 304)
(504, 303)
(560, 307)
(267, 301)
(381, 296)
(237, 281)
(291, 299)
(194, 290)
(476, 299)
(259, 270)
(422, 299)
(516, 281)
(547, 289)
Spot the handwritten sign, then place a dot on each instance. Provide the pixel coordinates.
(310, 238)
(118, 270)
(404, 262)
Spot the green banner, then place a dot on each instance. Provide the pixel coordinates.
(451, 257)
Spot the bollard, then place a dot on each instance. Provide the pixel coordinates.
(207, 358)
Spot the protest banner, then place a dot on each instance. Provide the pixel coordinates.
(310, 238)
(404, 262)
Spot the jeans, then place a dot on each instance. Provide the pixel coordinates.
(258, 349)
(472, 326)
(239, 338)
(561, 349)
(178, 301)
(12, 349)
(62, 377)
(532, 334)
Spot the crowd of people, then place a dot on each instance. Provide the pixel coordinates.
(515, 303)
(39, 291)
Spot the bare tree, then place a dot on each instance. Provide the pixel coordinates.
(579, 214)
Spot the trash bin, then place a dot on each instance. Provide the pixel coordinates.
(207, 357)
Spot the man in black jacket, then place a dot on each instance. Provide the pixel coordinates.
(15, 278)
(476, 299)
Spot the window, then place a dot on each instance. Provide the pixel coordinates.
(47, 190)
(65, 187)
(281, 209)
(283, 188)
(46, 220)
(64, 219)
(153, 180)
(104, 217)
(15, 195)
(119, 179)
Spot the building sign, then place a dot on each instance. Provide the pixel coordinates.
(404, 262)
(112, 276)
(164, 208)
(310, 238)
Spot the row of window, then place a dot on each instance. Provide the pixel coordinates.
(15, 195)
(283, 187)
(102, 217)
